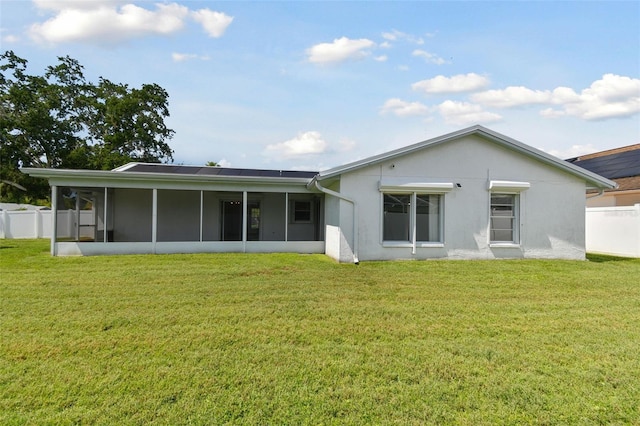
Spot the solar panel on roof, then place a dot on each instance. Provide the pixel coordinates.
(623, 164)
(218, 171)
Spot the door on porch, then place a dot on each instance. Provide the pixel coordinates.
(231, 226)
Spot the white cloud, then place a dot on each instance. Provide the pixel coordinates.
(429, 57)
(339, 50)
(214, 23)
(60, 5)
(346, 145)
(224, 163)
(403, 109)
(304, 144)
(573, 151)
(464, 113)
(182, 57)
(396, 35)
(10, 38)
(381, 58)
(108, 22)
(611, 96)
(456, 84)
(511, 97)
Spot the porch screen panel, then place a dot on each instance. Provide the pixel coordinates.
(266, 216)
(77, 213)
(178, 215)
(132, 211)
(305, 218)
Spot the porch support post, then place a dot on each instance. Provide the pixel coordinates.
(245, 206)
(413, 211)
(286, 216)
(77, 215)
(201, 213)
(154, 219)
(54, 218)
(105, 218)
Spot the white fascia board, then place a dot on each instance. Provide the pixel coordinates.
(159, 180)
(404, 185)
(508, 186)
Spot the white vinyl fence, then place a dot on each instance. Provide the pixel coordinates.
(613, 230)
(37, 223)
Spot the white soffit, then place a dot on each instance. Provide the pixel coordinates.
(508, 186)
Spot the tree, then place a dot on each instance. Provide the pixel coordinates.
(59, 120)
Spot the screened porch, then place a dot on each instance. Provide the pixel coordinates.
(103, 220)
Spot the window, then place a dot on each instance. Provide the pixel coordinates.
(503, 226)
(301, 211)
(412, 217)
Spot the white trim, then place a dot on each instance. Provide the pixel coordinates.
(517, 221)
(105, 235)
(504, 245)
(245, 207)
(404, 185)
(201, 214)
(508, 186)
(154, 218)
(54, 218)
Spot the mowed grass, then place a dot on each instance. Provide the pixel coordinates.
(300, 339)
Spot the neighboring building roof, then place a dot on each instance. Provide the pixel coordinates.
(593, 180)
(615, 163)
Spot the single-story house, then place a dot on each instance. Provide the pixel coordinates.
(621, 165)
(470, 194)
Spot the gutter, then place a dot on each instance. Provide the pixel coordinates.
(355, 215)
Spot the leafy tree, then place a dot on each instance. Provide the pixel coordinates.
(59, 120)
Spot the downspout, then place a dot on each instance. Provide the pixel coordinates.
(355, 216)
(599, 194)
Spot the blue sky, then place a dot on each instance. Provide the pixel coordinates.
(312, 85)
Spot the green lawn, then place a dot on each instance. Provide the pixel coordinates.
(300, 339)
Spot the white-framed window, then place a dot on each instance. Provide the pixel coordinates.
(504, 211)
(412, 217)
(504, 218)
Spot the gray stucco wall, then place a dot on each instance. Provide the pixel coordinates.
(551, 210)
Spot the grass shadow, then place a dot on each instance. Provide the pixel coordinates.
(602, 258)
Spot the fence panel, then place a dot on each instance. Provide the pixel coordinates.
(613, 230)
(37, 224)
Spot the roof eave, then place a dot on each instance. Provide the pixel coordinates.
(160, 177)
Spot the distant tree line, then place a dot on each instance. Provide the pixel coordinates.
(60, 120)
